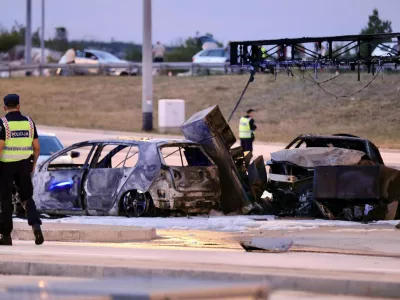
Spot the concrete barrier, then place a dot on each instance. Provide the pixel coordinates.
(62, 232)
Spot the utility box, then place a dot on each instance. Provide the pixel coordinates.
(171, 115)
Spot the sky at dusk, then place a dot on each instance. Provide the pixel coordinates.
(225, 19)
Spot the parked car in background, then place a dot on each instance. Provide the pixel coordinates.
(97, 58)
(210, 57)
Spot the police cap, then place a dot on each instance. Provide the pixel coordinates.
(11, 100)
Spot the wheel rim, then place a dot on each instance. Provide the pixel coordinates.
(135, 204)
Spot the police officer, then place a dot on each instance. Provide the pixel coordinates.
(246, 131)
(18, 144)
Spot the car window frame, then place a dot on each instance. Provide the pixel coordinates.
(45, 165)
(204, 53)
(181, 146)
(100, 148)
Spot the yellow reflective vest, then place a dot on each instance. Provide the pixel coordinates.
(244, 128)
(264, 52)
(18, 143)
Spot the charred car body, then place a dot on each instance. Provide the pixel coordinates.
(137, 177)
(133, 177)
(335, 177)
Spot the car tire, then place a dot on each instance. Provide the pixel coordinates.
(134, 204)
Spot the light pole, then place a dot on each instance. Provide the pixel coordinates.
(147, 68)
(42, 40)
(28, 30)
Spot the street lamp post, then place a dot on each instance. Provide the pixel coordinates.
(147, 68)
(28, 30)
(42, 40)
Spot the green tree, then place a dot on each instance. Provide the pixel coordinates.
(184, 50)
(134, 54)
(11, 38)
(375, 25)
(36, 39)
(60, 40)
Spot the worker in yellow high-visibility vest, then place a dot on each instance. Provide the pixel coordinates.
(247, 127)
(18, 144)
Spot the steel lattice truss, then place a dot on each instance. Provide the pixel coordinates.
(256, 54)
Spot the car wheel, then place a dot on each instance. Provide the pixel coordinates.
(135, 204)
(123, 74)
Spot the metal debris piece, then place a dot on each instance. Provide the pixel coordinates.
(210, 129)
(264, 244)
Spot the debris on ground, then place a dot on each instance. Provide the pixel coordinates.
(263, 244)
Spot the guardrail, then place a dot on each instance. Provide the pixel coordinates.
(133, 68)
(108, 68)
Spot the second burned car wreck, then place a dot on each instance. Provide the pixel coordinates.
(333, 177)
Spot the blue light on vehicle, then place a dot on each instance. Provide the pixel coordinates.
(61, 184)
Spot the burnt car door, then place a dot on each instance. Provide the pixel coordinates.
(110, 168)
(58, 183)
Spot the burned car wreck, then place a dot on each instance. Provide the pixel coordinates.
(145, 177)
(132, 177)
(334, 177)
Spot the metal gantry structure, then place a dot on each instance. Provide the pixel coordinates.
(260, 53)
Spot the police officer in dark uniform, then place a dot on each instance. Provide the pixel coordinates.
(18, 144)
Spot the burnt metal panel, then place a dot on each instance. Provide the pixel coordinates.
(313, 156)
(257, 177)
(347, 182)
(58, 189)
(195, 179)
(207, 124)
(210, 129)
(101, 187)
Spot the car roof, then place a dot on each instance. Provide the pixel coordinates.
(42, 133)
(138, 141)
(336, 136)
(219, 48)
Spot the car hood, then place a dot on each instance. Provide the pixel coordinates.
(315, 157)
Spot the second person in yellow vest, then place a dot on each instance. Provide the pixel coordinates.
(247, 127)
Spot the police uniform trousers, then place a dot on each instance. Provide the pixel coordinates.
(20, 173)
(247, 144)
